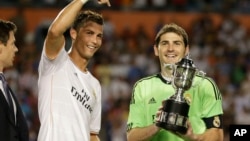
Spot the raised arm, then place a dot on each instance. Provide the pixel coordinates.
(55, 39)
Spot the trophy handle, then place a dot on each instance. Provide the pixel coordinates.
(200, 73)
(174, 66)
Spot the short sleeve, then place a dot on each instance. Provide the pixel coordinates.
(137, 112)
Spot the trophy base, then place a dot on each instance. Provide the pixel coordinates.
(174, 116)
(172, 127)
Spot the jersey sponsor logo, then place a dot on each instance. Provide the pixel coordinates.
(151, 101)
(82, 97)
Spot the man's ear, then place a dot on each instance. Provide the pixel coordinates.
(156, 51)
(73, 33)
(187, 50)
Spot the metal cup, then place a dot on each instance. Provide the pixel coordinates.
(175, 109)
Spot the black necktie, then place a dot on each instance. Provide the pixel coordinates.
(7, 92)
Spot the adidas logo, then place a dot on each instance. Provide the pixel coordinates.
(151, 101)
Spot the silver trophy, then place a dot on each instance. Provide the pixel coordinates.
(175, 109)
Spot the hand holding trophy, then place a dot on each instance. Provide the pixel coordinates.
(175, 110)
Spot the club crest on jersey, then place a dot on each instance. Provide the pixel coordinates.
(188, 98)
(216, 121)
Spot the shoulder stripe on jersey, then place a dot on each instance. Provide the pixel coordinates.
(145, 78)
(216, 89)
(132, 101)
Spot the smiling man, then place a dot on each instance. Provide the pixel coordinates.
(69, 100)
(205, 113)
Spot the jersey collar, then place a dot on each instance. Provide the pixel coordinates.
(159, 75)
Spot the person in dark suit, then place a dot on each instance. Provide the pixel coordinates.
(13, 125)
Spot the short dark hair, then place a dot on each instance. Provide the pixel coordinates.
(172, 27)
(85, 16)
(5, 28)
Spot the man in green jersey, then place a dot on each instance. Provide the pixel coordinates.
(205, 113)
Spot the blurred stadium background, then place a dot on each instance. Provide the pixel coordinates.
(219, 39)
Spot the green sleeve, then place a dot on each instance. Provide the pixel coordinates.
(212, 100)
(206, 102)
(136, 116)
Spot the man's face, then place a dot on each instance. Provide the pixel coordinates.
(7, 53)
(171, 48)
(88, 39)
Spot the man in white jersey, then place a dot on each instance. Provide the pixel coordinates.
(69, 100)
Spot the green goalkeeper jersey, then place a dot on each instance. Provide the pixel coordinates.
(148, 94)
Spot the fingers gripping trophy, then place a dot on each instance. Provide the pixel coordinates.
(175, 109)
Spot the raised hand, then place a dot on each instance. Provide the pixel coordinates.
(104, 2)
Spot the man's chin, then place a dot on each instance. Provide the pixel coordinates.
(172, 61)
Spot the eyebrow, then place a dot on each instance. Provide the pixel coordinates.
(173, 41)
